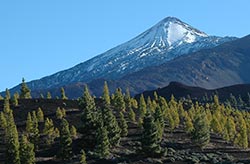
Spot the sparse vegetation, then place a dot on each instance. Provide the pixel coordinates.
(157, 131)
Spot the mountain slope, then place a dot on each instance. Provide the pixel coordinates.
(180, 90)
(163, 42)
(224, 65)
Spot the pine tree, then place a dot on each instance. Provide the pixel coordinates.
(88, 117)
(159, 121)
(231, 128)
(110, 122)
(127, 99)
(83, 157)
(142, 106)
(63, 95)
(49, 131)
(59, 114)
(27, 154)
(188, 125)
(49, 95)
(119, 102)
(200, 134)
(131, 115)
(150, 105)
(123, 125)
(170, 120)
(150, 142)
(102, 149)
(163, 105)
(3, 121)
(12, 155)
(29, 124)
(40, 116)
(106, 96)
(215, 125)
(34, 136)
(63, 112)
(73, 131)
(134, 103)
(65, 141)
(25, 91)
(87, 102)
(156, 97)
(15, 99)
(241, 138)
(181, 111)
(7, 94)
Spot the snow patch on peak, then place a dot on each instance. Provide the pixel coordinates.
(180, 31)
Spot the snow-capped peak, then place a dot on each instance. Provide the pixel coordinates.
(163, 42)
(172, 31)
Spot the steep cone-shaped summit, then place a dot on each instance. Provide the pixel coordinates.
(170, 32)
(165, 41)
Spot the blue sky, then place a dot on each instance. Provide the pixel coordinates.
(39, 38)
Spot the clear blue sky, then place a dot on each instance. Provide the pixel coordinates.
(41, 37)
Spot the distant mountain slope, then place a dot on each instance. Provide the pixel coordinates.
(225, 65)
(163, 42)
(180, 90)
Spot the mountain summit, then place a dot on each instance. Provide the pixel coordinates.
(170, 32)
(163, 42)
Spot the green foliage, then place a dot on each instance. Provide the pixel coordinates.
(49, 95)
(49, 131)
(73, 131)
(230, 128)
(150, 141)
(34, 134)
(188, 125)
(27, 153)
(7, 94)
(241, 137)
(118, 101)
(106, 96)
(59, 114)
(65, 152)
(142, 106)
(1, 97)
(200, 134)
(63, 112)
(24, 91)
(102, 149)
(87, 102)
(215, 125)
(29, 124)
(88, 117)
(110, 122)
(15, 99)
(127, 99)
(3, 121)
(12, 155)
(63, 95)
(40, 115)
(134, 103)
(159, 121)
(131, 115)
(83, 157)
(123, 125)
